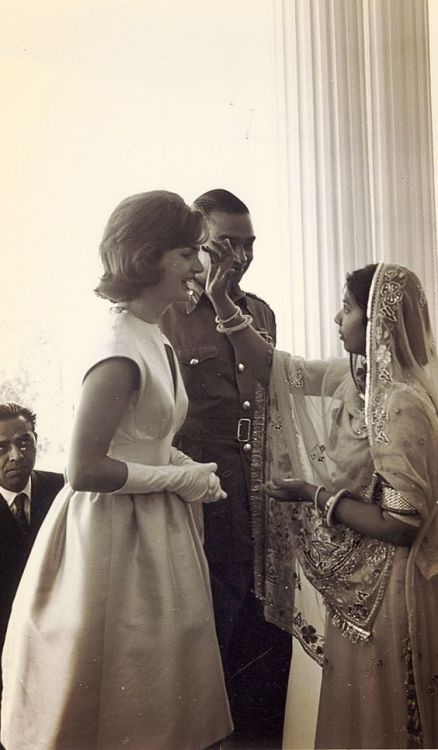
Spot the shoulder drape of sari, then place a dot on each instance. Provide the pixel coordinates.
(317, 432)
(302, 443)
(408, 460)
(402, 421)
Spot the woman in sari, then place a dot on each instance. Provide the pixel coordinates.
(362, 522)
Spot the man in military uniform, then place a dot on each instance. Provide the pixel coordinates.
(226, 424)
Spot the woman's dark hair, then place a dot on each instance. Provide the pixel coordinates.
(139, 231)
(359, 284)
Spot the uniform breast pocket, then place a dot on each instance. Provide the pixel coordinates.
(199, 366)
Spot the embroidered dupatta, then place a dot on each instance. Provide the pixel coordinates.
(402, 419)
(319, 430)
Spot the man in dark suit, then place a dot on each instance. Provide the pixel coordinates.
(226, 423)
(25, 497)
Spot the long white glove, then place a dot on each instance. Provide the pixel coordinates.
(191, 481)
(178, 458)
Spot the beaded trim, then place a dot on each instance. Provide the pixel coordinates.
(395, 502)
(257, 505)
(413, 724)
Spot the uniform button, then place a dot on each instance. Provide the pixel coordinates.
(246, 405)
(194, 361)
(247, 448)
(240, 367)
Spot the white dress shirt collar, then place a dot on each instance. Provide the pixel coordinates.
(10, 496)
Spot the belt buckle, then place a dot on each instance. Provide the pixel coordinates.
(243, 430)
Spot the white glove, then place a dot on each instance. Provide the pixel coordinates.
(200, 483)
(215, 489)
(178, 458)
(191, 481)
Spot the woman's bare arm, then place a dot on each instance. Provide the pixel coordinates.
(104, 398)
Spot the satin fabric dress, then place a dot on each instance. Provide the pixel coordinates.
(111, 642)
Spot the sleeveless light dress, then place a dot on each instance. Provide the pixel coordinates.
(111, 641)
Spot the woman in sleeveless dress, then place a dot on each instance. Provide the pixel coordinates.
(112, 641)
(353, 455)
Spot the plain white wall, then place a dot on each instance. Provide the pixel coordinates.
(105, 98)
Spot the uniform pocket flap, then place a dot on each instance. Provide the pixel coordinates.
(192, 355)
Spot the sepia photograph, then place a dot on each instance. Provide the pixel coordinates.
(219, 381)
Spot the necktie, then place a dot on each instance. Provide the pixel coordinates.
(18, 511)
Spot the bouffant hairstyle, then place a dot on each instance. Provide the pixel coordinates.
(220, 200)
(138, 233)
(12, 410)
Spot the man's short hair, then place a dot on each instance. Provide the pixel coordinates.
(220, 200)
(12, 410)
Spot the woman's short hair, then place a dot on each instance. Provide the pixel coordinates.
(138, 233)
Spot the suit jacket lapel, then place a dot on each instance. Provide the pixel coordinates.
(36, 501)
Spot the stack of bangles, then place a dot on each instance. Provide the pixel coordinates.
(237, 322)
(330, 505)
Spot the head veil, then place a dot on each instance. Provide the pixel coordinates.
(402, 398)
(328, 429)
(402, 423)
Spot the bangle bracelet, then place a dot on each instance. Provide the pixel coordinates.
(331, 505)
(228, 320)
(316, 496)
(245, 322)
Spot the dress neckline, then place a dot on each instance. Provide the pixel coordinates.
(119, 309)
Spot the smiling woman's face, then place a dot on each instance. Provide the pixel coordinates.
(179, 267)
(351, 320)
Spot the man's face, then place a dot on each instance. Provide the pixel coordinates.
(17, 453)
(238, 229)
